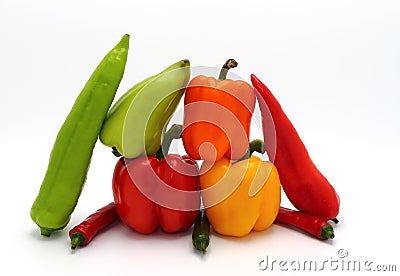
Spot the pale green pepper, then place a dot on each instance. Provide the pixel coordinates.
(72, 151)
(135, 124)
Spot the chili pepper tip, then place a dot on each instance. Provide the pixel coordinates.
(201, 245)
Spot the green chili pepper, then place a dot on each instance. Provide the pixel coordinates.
(136, 122)
(73, 148)
(201, 232)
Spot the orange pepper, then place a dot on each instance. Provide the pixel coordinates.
(217, 116)
(240, 196)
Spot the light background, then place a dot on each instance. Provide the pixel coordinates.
(333, 65)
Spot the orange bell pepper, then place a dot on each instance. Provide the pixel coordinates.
(240, 196)
(217, 116)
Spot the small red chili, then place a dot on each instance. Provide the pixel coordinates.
(313, 225)
(84, 232)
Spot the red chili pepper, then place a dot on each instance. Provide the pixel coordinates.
(313, 225)
(149, 193)
(84, 232)
(305, 186)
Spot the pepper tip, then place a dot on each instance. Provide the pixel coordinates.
(254, 79)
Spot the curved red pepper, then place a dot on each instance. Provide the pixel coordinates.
(313, 225)
(149, 193)
(305, 186)
(83, 233)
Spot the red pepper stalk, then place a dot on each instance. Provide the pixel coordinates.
(84, 232)
(305, 186)
(313, 225)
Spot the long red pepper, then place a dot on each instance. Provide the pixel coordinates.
(305, 186)
(315, 226)
(84, 232)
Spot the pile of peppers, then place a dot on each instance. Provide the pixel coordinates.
(233, 192)
(239, 191)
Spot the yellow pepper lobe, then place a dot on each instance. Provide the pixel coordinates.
(240, 197)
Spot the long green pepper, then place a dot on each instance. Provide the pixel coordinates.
(72, 151)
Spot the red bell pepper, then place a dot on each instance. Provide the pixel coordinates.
(151, 192)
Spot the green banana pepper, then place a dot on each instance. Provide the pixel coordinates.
(73, 148)
(135, 124)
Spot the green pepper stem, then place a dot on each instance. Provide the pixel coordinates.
(174, 132)
(46, 232)
(327, 232)
(77, 239)
(255, 145)
(116, 152)
(230, 63)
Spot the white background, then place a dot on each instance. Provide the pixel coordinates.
(333, 65)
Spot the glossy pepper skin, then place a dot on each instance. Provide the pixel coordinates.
(149, 193)
(217, 115)
(83, 233)
(240, 197)
(313, 225)
(305, 186)
(72, 151)
(135, 123)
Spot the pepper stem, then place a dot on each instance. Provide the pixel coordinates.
(327, 232)
(255, 145)
(46, 232)
(230, 63)
(335, 220)
(116, 152)
(174, 132)
(77, 239)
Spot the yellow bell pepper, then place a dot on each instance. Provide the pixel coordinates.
(240, 196)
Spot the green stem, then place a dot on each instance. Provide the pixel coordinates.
(230, 63)
(116, 152)
(174, 132)
(77, 239)
(327, 232)
(46, 232)
(255, 145)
